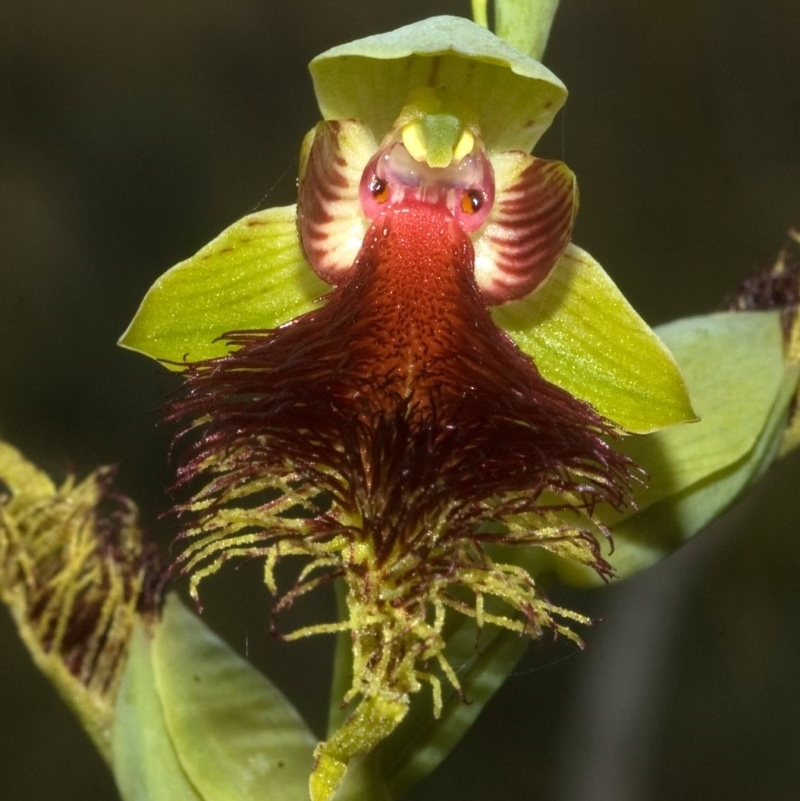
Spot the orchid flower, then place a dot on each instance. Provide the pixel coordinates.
(396, 435)
(413, 380)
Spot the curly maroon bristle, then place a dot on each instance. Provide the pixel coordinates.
(400, 400)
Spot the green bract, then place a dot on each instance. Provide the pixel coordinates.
(741, 386)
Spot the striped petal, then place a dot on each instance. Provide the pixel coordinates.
(330, 219)
(536, 201)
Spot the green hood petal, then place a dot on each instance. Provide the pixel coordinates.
(513, 96)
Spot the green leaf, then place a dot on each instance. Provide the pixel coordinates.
(742, 388)
(585, 337)
(237, 736)
(514, 97)
(252, 276)
(735, 368)
(196, 721)
(146, 765)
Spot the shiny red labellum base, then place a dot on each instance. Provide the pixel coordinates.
(401, 400)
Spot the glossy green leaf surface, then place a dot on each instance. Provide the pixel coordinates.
(513, 96)
(253, 275)
(585, 337)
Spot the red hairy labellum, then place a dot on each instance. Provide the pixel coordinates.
(401, 400)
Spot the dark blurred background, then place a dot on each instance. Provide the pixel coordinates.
(131, 133)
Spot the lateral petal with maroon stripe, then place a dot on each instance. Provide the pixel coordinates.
(330, 220)
(536, 201)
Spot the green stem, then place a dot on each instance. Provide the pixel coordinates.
(364, 779)
(524, 24)
(342, 665)
(479, 12)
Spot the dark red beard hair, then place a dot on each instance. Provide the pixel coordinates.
(399, 400)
